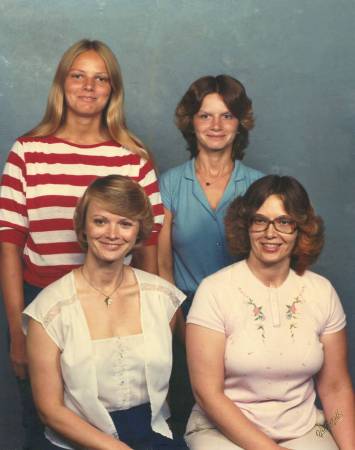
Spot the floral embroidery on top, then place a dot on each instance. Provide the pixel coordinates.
(258, 313)
(292, 312)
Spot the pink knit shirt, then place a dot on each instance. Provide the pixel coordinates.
(272, 342)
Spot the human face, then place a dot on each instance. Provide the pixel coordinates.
(87, 86)
(215, 126)
(270, 248)
(110, 237)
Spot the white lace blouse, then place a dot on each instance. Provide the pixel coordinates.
(60, 312)
(120, 371)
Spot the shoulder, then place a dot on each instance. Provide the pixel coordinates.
(223, 276)
(315, 281)
(324, 302)
(223, 285)
(52, 299)
(173, 182)
(175, 173)
(248, 172)
(28, 143)
(153, 284)
(29, 139)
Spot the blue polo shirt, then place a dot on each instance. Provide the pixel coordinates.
(198, 238)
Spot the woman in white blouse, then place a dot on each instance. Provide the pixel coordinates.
(261, 329)
(99, 338)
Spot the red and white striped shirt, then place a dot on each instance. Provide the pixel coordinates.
(41, 184)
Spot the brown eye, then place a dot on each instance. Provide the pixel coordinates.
(99, 221)
(259, 220)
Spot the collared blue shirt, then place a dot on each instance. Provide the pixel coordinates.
(198, 237)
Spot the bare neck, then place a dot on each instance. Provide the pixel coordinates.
(214, 163)
(102, 274)
(272, 275)
(83, 130)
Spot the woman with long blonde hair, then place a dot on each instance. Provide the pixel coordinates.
(83, 135)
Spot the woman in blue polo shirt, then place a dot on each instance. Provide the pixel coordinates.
(214, 116)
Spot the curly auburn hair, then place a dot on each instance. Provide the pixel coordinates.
(119, 195)
(234, 96)
(310, 237)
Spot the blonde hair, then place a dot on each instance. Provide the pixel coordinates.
(113, 118)
(119, 195)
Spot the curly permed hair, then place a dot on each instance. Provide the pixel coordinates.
(310, 237)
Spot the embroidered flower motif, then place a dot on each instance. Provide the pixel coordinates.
(257, 313)
(292, 312)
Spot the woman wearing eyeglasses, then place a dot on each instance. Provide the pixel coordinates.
(261, 329)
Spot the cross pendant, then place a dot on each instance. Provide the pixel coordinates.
(108, 301)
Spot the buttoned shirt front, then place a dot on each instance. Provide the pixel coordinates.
(198, 236)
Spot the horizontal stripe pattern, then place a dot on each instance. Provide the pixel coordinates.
(42, 182)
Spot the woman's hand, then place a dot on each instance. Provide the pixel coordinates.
(18, 356)
(335, 390)
(11, 281)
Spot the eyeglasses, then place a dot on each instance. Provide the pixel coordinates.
(282, 224)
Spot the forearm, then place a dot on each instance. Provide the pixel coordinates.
(11, 279)
(165, 252)
(166, 270)
(73, 428)
(145, 258)
(231, 421)
(339, 410)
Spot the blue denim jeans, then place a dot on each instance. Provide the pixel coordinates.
(134, 428)
(33, 427)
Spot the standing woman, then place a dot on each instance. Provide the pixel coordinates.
(214, 116)
(82, 135)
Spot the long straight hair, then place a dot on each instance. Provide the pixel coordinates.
(113, 117)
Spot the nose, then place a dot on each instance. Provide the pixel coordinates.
(270, 231)
(89, 84)
(112, 232)
(216, 123)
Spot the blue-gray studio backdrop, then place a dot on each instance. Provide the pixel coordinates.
(295, 57)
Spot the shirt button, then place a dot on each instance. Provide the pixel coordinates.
(218, 244)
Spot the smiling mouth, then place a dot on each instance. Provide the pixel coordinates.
(87, 99)
(214, 136)
(111, 246)
(271, 247)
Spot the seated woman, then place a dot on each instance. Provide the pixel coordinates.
(101, 376)
(261, 329)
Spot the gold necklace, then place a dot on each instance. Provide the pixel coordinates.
(108, 300)
(219, 177)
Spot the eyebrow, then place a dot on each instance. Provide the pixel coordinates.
(209, 112)
(84, 71)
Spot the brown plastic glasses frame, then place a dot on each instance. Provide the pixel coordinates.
(282, 224)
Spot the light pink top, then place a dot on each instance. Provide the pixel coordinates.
(272, 342)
